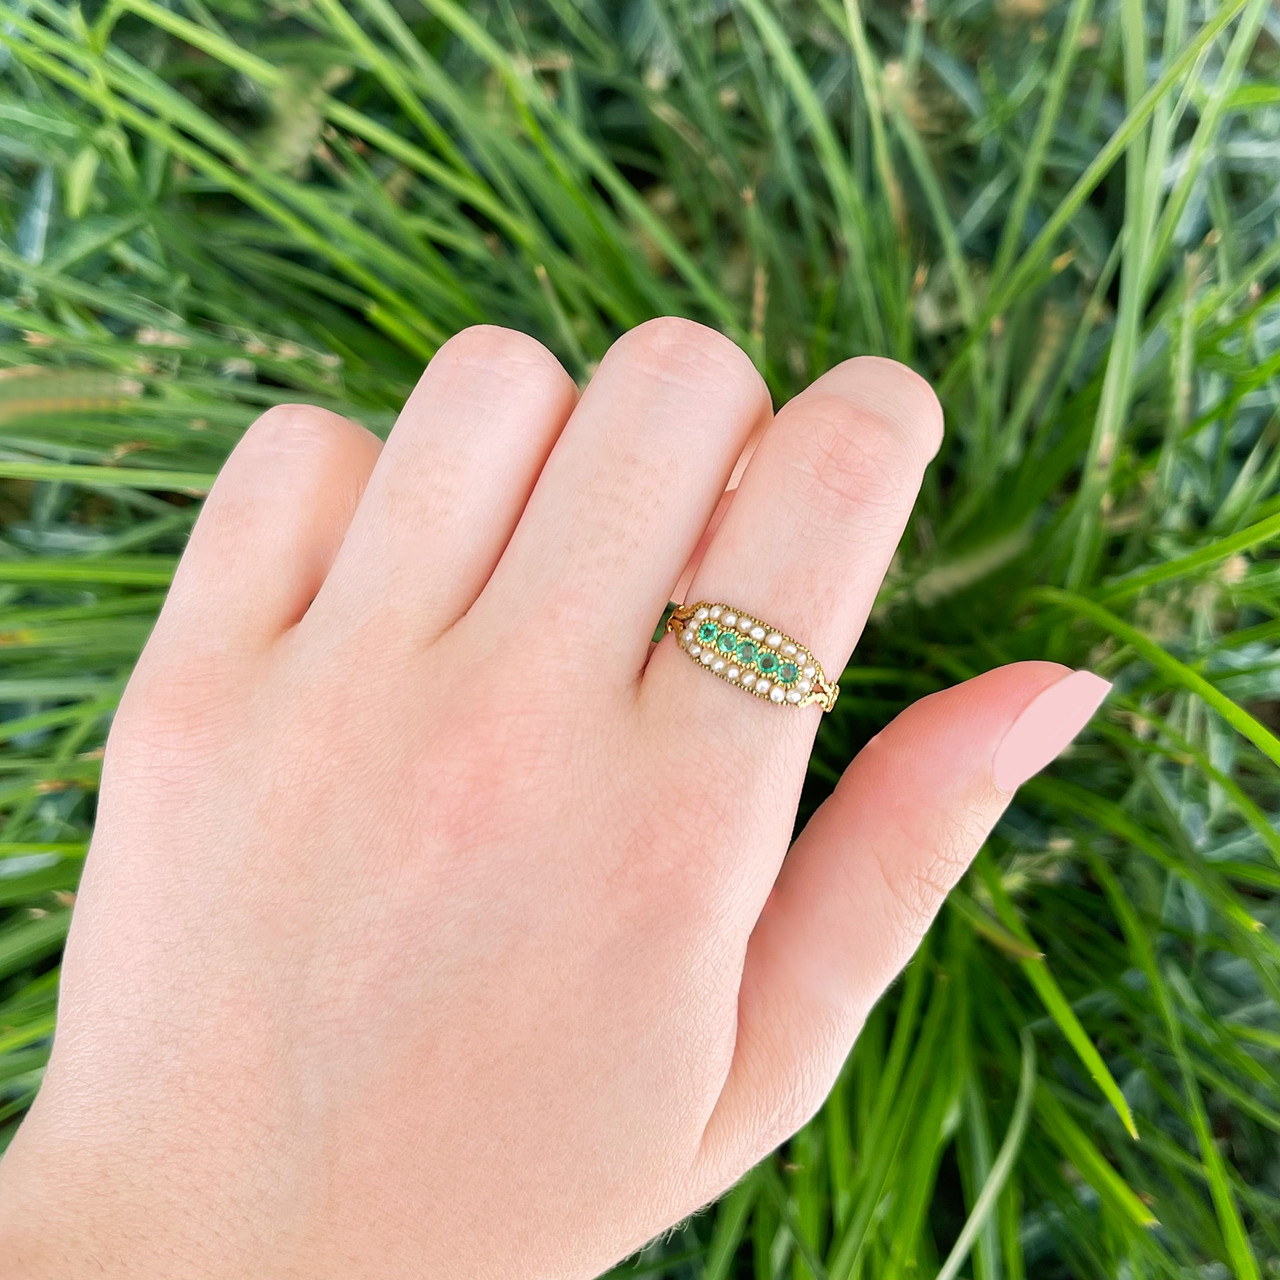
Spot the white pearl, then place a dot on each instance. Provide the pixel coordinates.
(706, 657)
(762, 686)
(694, 650)
(773, 639)
(733, 673)
(745, 624)
(777, 693)
(729, 619)
(749, 678)
(809, 672)
(757, 633)
(686, 635)
(702, 613)
(789, 650)
(716, 611)
(718, 665)
(792, 696)
(804, 685)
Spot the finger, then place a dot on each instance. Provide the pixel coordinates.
(270, 528)
(866, 877)
(803, 546)
(452, 481)
(681, 590)
(629, 488)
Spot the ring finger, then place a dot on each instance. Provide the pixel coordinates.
(803, 547)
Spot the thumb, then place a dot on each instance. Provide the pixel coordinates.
(864, 880)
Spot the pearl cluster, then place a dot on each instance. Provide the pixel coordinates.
(728, 643)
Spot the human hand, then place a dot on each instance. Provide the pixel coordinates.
(436, 922)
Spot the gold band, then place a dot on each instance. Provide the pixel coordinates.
(756, 657)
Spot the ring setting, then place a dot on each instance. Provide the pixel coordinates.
(744, 650)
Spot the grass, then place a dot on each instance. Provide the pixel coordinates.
(1064, 214)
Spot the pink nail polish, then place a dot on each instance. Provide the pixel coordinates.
(1044, 728)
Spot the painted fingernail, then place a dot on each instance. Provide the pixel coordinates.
(1045, 727)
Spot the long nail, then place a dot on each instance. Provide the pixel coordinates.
(1045, 727)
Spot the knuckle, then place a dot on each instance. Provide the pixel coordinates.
(789, 1090)
(291, 429)
(917, 887)
(289, 449)
(688, 353)
(495, 350)
(919, 856)
(970, 825)
(913, 901)
(800, 1101)
(847, 458)
(898, 392)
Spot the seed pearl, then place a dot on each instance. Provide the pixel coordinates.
(745, 624)
(773, 639)
(716, 611)
(757, 633)
(733, 673)
(762, 686)
(803, 686)
(729, 619)
(702, 613)
(792, 696)
(718, 665)
(789, 650)
(687, 634)
(749, 678)
(706, 657)
(778, 693)
(694, 650)
(809, 672)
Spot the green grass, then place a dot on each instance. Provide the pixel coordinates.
(1065, 215)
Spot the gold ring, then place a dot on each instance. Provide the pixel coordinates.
(750, 653)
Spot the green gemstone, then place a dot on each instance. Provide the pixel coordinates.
(727, 643)
(788, 673)
(767, 662)
(747, 653)
(708, 632)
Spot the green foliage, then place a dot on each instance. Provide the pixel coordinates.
(1064, 214)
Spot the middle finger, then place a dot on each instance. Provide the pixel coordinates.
(629, 488)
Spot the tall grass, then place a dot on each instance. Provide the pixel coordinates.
(1064, 214)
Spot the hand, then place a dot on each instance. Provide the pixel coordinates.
(436, 922)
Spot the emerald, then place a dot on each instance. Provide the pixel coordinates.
(708, 632)
(767, 662)
(747, 652)
(788, 672)
(727, 642)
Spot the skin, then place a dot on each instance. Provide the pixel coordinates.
(436, 922)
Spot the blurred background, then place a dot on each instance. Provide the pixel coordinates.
(1064, 214)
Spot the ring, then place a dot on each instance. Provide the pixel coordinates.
(756, 657)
